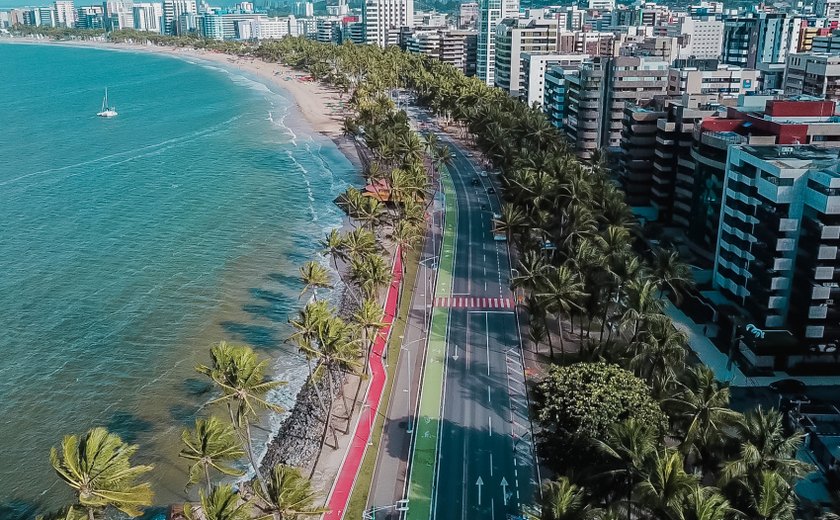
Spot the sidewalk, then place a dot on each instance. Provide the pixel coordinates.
(343, 484)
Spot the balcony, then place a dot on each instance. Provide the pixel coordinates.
(829, 232)
(782, 264)
(788, 244)
(827, 253)
(817, 312)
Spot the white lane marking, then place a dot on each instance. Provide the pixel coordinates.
(487, 336)
(488, 393)
(492, 509)
(490, 426)
(491, 463)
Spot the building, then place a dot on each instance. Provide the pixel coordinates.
(119, 14)
(602, 5)
(632, 80)
(40, 17)
(172, 11)
(738, 39)
(149, 17)
(491, 13)
(699, 36)
(673, 168)
(304, 9)
(449, 46)
(828, 44)
(757, 120)
(709, 77)
(65, 13)
(533, 69)
(814, 75)
(761, 42)
(554, 95)
(777, 254)
(587, 42)
(468, 15)
(583, 107)
(90, 17)
(515, 36)
(828, 8)
(384, 19)
(638, 137)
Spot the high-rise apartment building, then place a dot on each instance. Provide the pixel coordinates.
(829, 43)
(762, 42)
(468, 15)
(534, 68)
(90, 17)
(119, 14)
(813, 74)
(777, 254)
(148, 16)
(700, 37)
(695, 77)
(515, 36)
(602, 5)
(384, 19)
(757, 120)
(65, 13)
(449, 46)
(828, 8)
(172, 12)
(490, 14)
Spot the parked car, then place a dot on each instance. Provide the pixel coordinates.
(491, 190)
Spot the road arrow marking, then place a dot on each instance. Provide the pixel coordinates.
(455, 355)
(504, 489)
(478, 484)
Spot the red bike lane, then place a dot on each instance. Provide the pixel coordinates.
(343, 485)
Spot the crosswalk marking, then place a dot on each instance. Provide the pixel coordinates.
(460, 302)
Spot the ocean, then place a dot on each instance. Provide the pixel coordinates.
(129, 246)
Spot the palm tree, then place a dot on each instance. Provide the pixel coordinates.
(563, 290)
(241, 376)
(562, 500)
(314, 277)
(766, 496)
(661, 351)
(704, 503)
(369, 318)
(701, 412)
(666, 484)
(289, 495)
(628, 447)
(222, 503)
(532, 271)
(97, 466)
(765, 447)
(370, 273)
(212, 444)
(69, 513)
(337, 351)
(671, 273)
(640, 304)
(333, 245)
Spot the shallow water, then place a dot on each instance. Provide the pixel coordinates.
(129, 246)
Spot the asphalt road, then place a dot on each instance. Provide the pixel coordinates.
(469, 445)
(486, 467)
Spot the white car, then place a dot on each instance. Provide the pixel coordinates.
(483, 173)
(497, 216)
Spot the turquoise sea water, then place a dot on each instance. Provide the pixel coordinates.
(129, 246)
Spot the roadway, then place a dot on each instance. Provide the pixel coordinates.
(485, 459)
(470, 445)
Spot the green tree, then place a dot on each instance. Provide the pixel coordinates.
(211, 444)
(562, 293)
(97, 466)
(241, 376)
(369, 318)
(562, 500)
(314, 276)
(289, 495)
(671, 273)
(222, 503)
(583, 400)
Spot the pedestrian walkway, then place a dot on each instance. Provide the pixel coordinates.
(343, 485)
(468, 302)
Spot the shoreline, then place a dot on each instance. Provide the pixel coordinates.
(295, 438)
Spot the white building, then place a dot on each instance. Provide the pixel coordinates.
(172, 11)
(602, 5)
(533, 68)
(119, 14)
(699, 36)
(148, 16)
(65, 13)
(304, 9)
(273, 28)
(490, 14)
(383, 20)
(828, 8)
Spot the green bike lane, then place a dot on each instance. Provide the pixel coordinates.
(424, 454)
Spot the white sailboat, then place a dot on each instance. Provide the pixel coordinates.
(107, 111)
